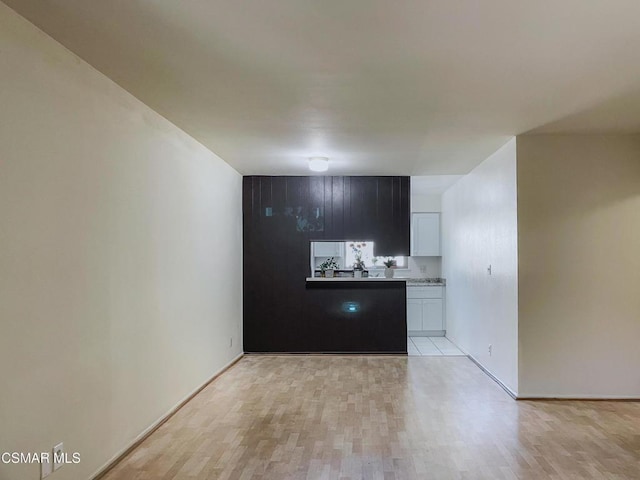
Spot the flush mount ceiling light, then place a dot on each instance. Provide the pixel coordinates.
(318, 164)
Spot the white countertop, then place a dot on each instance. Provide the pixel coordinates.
(353, 279)
(410, 281)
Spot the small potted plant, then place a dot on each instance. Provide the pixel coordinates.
(358, 268)
(358, 264)
(389, 264)
(328, 267)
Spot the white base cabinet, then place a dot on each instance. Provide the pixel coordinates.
(432, 315)
(414, 314)
(425, 311)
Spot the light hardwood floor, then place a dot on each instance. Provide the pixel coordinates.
(350, 417)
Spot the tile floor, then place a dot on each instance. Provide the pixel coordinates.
(432, 347)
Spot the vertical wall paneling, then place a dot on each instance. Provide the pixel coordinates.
(281, 216)
(337, 207)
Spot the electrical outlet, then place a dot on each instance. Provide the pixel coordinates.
(490, 349)
(58, 456)
(423, 269)
(45, 467)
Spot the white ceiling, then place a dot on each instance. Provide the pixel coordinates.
(416, 87)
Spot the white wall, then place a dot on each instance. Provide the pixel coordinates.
(426, 203)
(479, 219)
(579, 248)
(120, 258)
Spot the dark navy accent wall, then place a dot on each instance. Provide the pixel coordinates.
(281, 216)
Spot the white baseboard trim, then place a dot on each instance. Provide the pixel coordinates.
(426, 333)
(102, 471)
(611, 398)
(533, 397)
(511, 393)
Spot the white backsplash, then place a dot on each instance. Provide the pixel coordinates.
(417, 267)
(431, 267)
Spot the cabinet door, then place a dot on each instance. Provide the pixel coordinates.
(393, 217)
(327, 249)
(414, 314)
(426, 235)
(432, 318)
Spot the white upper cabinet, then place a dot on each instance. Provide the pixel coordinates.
(328, 249)
(425, 238)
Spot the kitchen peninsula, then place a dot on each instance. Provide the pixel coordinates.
(358, 315)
